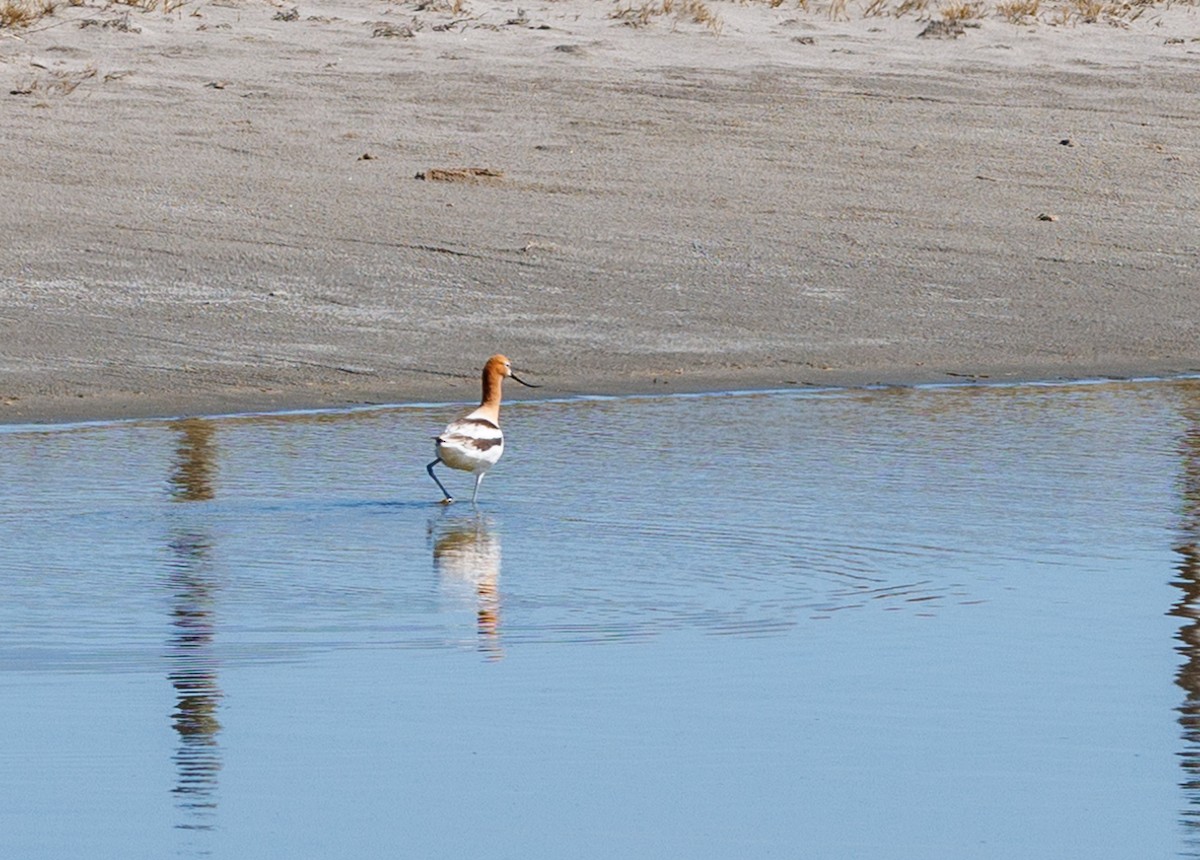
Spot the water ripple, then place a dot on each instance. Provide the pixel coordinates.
(608, 520)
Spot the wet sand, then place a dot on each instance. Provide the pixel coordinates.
(218, 209)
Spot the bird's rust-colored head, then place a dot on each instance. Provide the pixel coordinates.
(498, 366)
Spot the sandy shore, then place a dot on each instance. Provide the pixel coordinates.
(217, 208)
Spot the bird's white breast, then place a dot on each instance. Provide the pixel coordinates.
(471, 444)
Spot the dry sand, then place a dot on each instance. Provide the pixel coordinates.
(217, 209)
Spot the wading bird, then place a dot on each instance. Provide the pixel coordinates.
(474, 442)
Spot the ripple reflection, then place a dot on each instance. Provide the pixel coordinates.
(194, 673)
(1188, 607)
(466, 557)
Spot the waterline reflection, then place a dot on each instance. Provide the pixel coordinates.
(466, 557)
(195, 461)
(194, 667)
(1188, 608)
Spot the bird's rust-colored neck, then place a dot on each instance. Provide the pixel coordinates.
(493, 381)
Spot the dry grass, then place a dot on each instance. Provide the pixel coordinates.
(1092, 12)
(15, 14)
(694, 11)
(1088, 11)
(959, 11)
(451, 7)
(469, 175)
(1018, 11)
(699, 13)
(59, 82)
(22, 13)
(150, 5)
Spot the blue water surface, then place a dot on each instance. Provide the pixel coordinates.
(905, 623)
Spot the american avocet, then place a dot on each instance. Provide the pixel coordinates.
(474, 442)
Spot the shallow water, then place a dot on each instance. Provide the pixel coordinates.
(959, 622)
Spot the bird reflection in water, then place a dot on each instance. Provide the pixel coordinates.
(466, 556)
(193, 588)
(1188, 607)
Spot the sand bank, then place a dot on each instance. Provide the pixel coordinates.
(218, 208)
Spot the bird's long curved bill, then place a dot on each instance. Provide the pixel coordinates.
(522, 381)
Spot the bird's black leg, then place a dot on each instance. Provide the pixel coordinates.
(449, 498)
